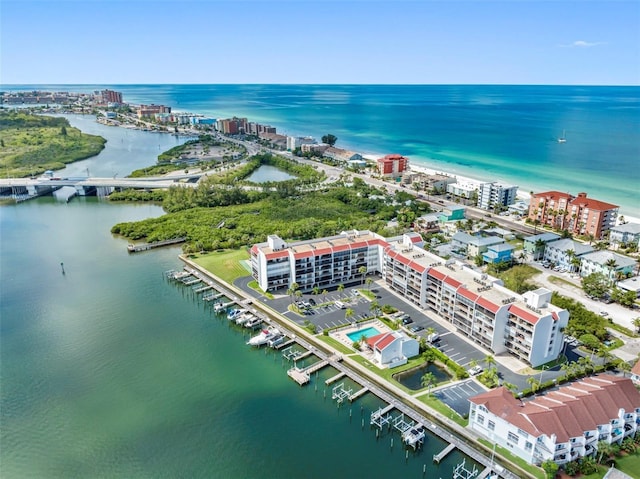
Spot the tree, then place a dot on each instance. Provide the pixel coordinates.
(428, 380)
(604, 450)
(348, 314)
(374, 306)
(340, 288)
(362, 270)
(636, 323)
(369, 282)
(550, 467)
(489, 360)
(534, 383)
(329, 139)
(595, 284)
(63, 130)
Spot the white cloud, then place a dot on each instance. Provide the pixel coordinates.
(582, 44)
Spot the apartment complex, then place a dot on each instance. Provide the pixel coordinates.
(105, 97)
(562, 425)
(491, 195)
(578, 214)
(392, 165)
(526, 326)
(152, 110)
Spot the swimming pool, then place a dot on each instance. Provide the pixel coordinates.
(368, 332)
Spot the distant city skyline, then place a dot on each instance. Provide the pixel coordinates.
(362, 42)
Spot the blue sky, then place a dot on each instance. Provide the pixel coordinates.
(299, 41)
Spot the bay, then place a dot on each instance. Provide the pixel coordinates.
(107, 370)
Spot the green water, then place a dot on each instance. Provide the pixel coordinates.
(110, 371)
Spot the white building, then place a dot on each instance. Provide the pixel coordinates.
(628, 233)
(526, 326)
(462, 188)
(561, 252)
(393, 349)
(562, 425)
(294, 142)
(495, 194)
(599, 262)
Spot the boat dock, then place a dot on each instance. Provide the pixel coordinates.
(135, 248)
(333, 379)
(202, 289)
(212, 296)
(442, 454)
(358, 393)
(419, 421)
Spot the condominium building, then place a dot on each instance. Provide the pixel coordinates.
(232, 126)
(318, 263)
(491, 195)
(392, 165)
(580, 215)
(152, 110)
(294, 142)
(528, 326)
(562, 425)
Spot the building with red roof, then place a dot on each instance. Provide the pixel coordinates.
(562, 425)
(578, 214)
(479, 307)
(392, 165)
(393, 349)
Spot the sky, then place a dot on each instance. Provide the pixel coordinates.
(578, 42)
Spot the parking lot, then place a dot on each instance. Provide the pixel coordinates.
(457, 395)
(326, 314)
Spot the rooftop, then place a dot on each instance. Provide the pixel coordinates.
(601, 257)
(633, 228)
(567, 244)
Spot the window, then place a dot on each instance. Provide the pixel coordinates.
(491, 425)
(512, 437)
(527, 446)
(480, 418)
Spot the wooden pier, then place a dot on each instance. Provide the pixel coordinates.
(358, 393)
(333, 379)
(442, 454)
(135, 248)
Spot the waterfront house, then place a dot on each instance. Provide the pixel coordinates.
(562, 425)
(393, 349)
(494, 194)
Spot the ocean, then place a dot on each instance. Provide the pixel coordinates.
(110, 371)
(490, 132)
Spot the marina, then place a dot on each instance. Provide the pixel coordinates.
(136, 248)
(396, 415)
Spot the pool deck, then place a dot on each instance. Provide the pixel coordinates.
(341, 334)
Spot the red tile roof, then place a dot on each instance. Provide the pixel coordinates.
(636, 368)
(567, 412)
(277, 254)
(381, 341)
(592, 204)
(555, 195)
(467, 294)
(486, 304)
(527, 315)
(437, 274)
(452, 282)
(303, 254)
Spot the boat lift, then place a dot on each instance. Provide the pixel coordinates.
(339, 393)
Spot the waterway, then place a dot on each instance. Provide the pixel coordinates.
(107, 370)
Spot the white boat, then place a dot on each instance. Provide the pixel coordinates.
(253, 322)
(219, 307)
(264, 336)
(563, 138)
(243, 318)
(234, 313)
(276, 340)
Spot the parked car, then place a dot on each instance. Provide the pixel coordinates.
(407, 320)
(312, 301)
(433, 337)
(416, 328)
(474, 371)
(340, 304)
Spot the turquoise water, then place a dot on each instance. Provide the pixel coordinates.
(368, 332)
(486, 131)
(110, 371)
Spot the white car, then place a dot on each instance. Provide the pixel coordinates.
(474, 371)
(340, 304)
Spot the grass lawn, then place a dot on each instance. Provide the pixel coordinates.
(557, 280)
(337, 345)
(226, 264)
(629, 464)
(254, 285)
(387, 374)
(443, 409)
(535, 471)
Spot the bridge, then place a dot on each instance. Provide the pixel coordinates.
(22, 189)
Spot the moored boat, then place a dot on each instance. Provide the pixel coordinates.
(263, 337)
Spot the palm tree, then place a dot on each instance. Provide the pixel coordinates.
(374, 306)
(625, 367)
(489, 360)
(348, 314)
(428, 380)
(605, 449)
(316, 290)
(324, 295)
(534, 383)
(611, 264)
(340, 288)
(369, 281)
(362, 270)
(538, 249)
(636, 323)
